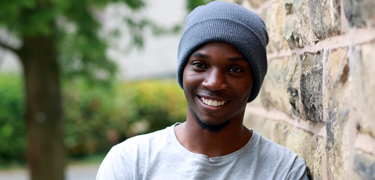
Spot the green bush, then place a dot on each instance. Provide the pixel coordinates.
(12, 123)
(156, 104)
(95, 118)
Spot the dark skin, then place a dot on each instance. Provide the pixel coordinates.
(218, 72)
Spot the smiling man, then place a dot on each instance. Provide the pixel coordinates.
(221, 66)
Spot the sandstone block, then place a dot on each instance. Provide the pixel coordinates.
(364, 166)
(260, 124)
(311, 86)
(317, 169)
(276, 84)
(281, 133)
(293, 89)
(338, 143)
(336, 72)
(325, 18)
(337, 68)
(281, 86)
(360, 13)
(297, 30)
(362, 85)
(337, 107)
(275, 23)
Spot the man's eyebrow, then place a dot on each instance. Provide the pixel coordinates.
(201, 55)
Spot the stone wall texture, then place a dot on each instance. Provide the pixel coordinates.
(318, 98)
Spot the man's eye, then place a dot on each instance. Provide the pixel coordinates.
(199, 65)
(235, 70)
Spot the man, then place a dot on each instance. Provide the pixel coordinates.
(221, 65)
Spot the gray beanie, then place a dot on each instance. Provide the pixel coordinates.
(226, 22)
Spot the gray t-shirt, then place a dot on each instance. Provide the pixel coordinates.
(159, 155)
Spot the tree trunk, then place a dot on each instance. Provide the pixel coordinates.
(46, 152)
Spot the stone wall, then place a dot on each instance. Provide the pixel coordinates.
(318, 98)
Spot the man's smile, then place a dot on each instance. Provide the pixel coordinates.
(212, 102)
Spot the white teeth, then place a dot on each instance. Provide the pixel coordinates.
(211, 102)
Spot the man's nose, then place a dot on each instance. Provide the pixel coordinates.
(215, 80)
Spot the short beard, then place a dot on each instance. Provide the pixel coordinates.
(210, 127)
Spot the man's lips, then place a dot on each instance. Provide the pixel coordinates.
(212, 102)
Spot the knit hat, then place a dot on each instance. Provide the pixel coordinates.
(230, 23)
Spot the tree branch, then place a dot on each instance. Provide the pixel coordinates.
(5, 46)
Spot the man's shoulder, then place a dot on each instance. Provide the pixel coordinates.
(267, 146)
(144, 140)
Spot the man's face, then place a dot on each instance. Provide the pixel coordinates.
(217, 83)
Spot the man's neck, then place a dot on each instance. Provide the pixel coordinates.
(213, 144)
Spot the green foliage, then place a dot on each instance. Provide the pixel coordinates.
(96, 119)
(12, 123)
(155, 103)
(74, 24)
(33, 17)
(86, 111)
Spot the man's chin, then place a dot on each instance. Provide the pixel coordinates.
(209, 126)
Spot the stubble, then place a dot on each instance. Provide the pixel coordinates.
(210, 127)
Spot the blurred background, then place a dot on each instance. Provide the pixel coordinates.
(105, 68)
